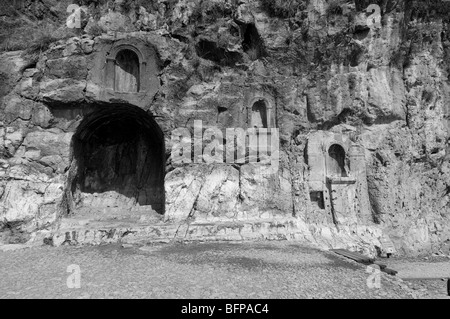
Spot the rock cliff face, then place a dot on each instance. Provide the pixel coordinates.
(360, 104)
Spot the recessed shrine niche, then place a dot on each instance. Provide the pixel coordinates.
(261, 114)
(125, 68)
(127, 71)
(336, 161)
(260, 121)
(337, 179)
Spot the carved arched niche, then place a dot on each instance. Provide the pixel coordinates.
(336, 161)
(261, 114)
(126, 69)
(127, 72)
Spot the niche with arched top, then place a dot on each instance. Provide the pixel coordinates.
(336, 161)
(127, 72)
(259, 115)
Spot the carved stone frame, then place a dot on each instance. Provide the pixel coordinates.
(110, 74)
(269, 111)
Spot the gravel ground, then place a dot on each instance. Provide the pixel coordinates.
(197, 270)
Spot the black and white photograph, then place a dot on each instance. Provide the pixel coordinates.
(225, 157)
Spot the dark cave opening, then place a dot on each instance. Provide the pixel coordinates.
(361, 33)
(252, 43)
(119, 155)
(210, 51)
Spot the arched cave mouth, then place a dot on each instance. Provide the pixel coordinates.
(119, 156)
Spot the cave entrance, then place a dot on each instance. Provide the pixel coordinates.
(336, 161)
(253, 44)
(119, 156)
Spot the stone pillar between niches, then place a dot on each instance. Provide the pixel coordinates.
(110, 73)
(269, 116)
(143, 78)
(358, 170)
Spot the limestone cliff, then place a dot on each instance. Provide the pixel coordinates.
(73, 144)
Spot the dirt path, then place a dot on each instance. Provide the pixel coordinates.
(428, 276)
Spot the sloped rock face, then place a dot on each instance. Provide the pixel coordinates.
(317, 65)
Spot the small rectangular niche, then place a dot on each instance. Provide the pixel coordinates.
(317, 199)
(341, 180)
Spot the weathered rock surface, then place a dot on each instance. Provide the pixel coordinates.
(317, 67)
